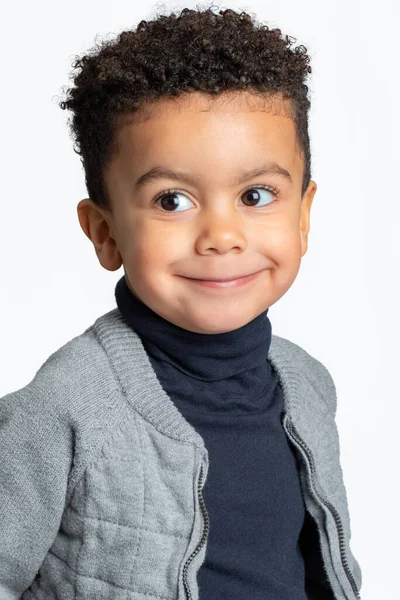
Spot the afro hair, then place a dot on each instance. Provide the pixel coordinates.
(196, 50)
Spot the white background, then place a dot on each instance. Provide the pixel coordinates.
(343, 306)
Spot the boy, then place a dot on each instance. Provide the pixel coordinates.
(176, 448)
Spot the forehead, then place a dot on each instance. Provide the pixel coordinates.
(197, 130)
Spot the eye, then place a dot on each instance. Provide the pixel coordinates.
(253, 196)
(167, 198)
(250, 194)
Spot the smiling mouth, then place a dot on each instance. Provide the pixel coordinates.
(225, 283)
(224, 280)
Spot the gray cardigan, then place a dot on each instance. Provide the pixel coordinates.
(101, 476)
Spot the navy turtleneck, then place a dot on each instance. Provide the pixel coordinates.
(217, 370)
(228, 391)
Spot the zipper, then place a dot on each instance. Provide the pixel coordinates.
(203, 539)
(339, 525)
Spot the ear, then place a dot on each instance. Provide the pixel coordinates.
(96, 223)
(305, 215)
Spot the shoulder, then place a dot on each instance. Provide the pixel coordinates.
(73, 386)
(81, 362)
(289, 356)
(73, 402)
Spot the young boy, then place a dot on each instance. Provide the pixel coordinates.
(177, 449)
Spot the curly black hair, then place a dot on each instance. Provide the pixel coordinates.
(196, 50)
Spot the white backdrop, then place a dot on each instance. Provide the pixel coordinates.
(343, 305)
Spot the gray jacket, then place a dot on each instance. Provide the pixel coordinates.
(101, 476)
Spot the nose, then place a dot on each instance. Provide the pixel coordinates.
(220, 231)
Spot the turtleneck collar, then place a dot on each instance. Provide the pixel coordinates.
(205, 357)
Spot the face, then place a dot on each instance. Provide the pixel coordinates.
(207, 221)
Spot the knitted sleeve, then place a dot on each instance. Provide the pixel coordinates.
(36, 453)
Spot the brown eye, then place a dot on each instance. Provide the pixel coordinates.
(252, 196)
(167, 201)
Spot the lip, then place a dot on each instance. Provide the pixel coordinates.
(225, 284)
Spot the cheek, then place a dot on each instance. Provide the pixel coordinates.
(151, 250)
(281, 239)
(290, 249)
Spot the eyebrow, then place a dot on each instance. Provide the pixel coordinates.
(160, 172)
